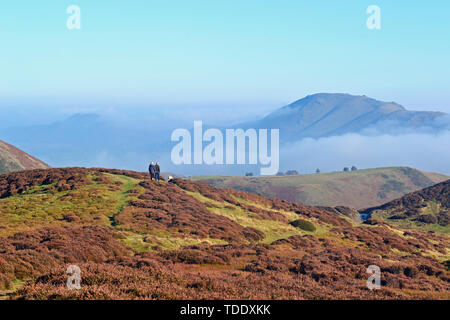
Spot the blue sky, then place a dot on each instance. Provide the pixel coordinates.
(254, 53)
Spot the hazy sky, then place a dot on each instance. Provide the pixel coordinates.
(218, 53)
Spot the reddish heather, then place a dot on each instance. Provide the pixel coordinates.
(331, 265)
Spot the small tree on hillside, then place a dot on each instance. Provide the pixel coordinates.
(317, 170)
(249, 174)
(346, 169)
(354, 168)
(291, 172)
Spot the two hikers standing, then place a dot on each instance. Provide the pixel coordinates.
(154, 171)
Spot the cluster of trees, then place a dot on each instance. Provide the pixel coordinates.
(295, 172)
(346, 169)
(288, 173)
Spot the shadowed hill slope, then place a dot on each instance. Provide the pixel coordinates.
(14, 159)
(427, 209)
(136, 239)
(357, 189)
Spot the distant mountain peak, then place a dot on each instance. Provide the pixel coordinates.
(84, 117)
(330, 114)
(342, 100)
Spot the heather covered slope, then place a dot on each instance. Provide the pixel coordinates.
(13, 159)
(427, 209)
(357, 189)
(135, 239)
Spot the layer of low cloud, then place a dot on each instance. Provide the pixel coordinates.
(144, 136)
(429, 152)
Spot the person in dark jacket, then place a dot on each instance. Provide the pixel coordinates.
(151, 170)
(157, 171)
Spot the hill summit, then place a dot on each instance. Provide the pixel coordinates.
(330, 114)
(14, 159)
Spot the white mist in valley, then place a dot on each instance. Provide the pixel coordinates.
(428, 152)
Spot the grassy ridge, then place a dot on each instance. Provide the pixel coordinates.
(101, 202)
(359, 189)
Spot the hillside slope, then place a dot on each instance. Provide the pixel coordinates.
(135, 239)
(358, 189)
(14, 159)
(330, 114)
(427, 209)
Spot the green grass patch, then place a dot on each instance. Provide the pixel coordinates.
(273, 230)
(38, 207)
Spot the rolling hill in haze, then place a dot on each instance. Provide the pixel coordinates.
(357, 189)
(427, 209)
(136, 239)
(333, 114)
(14, 159)
(90, 139)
